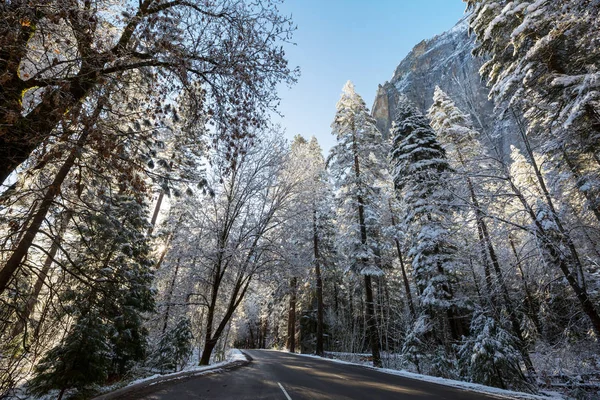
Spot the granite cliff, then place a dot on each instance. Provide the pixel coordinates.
(446, 61)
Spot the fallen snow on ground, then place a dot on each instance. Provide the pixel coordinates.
(474, 387)
(233, 355)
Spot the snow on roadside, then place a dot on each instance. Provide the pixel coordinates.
(233, 356)
(474, 387)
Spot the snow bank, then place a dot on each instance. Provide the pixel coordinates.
(234, 357)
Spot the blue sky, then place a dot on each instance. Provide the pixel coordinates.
(358, 40)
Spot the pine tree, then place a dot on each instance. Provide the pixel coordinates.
(490, 355)
(175, 347)
(81, 360)
(417, 343)
(455, 129)
(420, 170)
(356, 166)
(554, 239)
(108, 335)
(316, 212)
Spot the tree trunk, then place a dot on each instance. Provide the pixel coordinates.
(209, 343)
(515, 320)
(209, 346)
(529, 301)
(319, 346)
(484, 259)
(372, 322)
(491, 253)
(336, 301)
(457, 328)
(264, 329)
(14, 261)
(411, 306)
(291, 333)
(388, 318)
(369, 306)
(577, 282)
(239, 291)
(161, 195)
(29, 131)
(483, 302)
(252, 344)
(163, 253)
(352, 318)
(484, 240)
(383, 314)
(18, 255)
(43, 275)
(169, 297)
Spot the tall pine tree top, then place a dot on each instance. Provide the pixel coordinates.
(456, 133)
(420, 171)
(357, 135)
(358, 169)
(417, 158)
(449, 121)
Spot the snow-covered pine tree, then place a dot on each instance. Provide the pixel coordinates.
(490, 356)
(175, 347)
(82, 359)
(416, 344)
(455, 130)
(543, 56)
(554, 239)
(107, 299)
(314, 220)
(420, 171)
(356, 164)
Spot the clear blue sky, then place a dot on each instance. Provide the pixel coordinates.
(358, 40)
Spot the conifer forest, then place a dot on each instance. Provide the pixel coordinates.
(153, 216)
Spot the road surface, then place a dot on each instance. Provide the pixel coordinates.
(282, 376)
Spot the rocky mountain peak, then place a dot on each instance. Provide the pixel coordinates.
(446, 61)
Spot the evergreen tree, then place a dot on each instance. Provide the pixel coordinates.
(420, 172)
(175, 347)
(356, 166)
(416, 345)
(455, 129)
(82, 359)
(490, 355)
(108, 335)
(314, 217)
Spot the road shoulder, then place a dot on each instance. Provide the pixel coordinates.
(239, 360)
(466, 386)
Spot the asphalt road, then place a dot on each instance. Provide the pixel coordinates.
(283, 376)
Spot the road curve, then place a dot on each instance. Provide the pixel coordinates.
(275, 375)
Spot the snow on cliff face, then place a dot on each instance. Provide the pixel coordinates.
(444, 60)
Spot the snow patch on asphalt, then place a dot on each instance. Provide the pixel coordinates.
(474, 387)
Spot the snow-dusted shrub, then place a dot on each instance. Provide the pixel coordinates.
(490, 355)
(174, 348)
